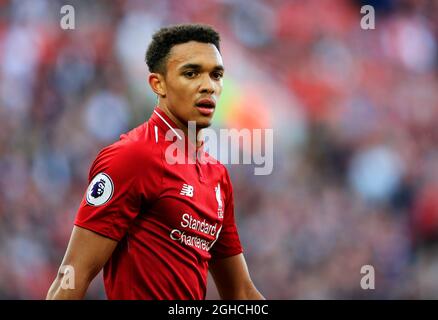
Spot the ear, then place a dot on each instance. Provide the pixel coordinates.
(157, 83)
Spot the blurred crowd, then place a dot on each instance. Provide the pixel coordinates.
(354, 112)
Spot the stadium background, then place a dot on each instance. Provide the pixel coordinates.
(354, 113)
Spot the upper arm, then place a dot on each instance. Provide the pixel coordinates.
(87, 253)
(232, 278)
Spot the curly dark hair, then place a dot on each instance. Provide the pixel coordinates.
(164, 39)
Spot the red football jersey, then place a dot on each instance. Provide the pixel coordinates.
(170, 219)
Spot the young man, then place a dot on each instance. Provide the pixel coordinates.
(155, 227)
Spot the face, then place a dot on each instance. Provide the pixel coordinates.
(193, 82)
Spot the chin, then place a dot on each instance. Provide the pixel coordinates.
(203, 121)
(203, 124)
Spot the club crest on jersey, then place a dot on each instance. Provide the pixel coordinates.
(220, 210)
(100, 190)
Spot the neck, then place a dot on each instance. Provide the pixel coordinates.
(181, 125)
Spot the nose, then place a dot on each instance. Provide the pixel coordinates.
(207, 85)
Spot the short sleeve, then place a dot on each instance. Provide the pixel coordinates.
(114, 194)
(228, 242)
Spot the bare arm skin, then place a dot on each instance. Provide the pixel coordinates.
(87, 253)
(232, 279)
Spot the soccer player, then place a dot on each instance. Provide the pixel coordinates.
(155, 227)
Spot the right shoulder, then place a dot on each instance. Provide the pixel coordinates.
(127, 155)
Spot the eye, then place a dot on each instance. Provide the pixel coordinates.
(217, 75)
(190, 74)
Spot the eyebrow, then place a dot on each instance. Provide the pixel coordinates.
(196, 66)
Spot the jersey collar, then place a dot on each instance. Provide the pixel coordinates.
(162, 120)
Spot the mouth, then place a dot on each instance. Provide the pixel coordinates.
(205, 106)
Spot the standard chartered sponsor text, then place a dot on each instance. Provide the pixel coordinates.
(188, 221)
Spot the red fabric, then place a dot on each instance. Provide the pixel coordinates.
(147, 207)
(426, 212)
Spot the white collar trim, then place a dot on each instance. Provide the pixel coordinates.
(170, 127)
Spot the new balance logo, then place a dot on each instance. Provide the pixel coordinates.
(187, 190)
